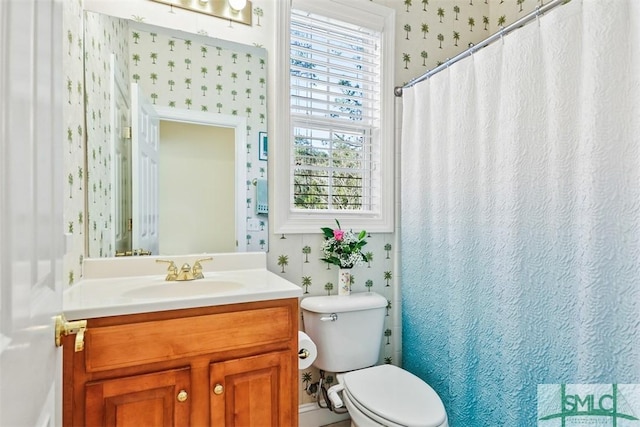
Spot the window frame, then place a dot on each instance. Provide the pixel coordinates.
(288, 220)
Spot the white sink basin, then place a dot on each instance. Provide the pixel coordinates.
(200, 287)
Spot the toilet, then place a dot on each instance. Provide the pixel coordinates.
(348, 332)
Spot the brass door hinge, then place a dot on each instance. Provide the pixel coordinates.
(64, 327)
(126, 134)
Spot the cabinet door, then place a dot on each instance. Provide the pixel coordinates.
(252, 392)
(157, 399)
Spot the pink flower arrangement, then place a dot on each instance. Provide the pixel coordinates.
(343, 248)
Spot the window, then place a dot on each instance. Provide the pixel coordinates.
(334, 78)
(339, 131)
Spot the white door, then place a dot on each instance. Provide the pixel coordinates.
(31, 223)
(121, 155)
(145, 146)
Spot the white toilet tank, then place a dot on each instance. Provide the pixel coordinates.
(347, 330)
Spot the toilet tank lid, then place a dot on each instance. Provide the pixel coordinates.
(344, 303)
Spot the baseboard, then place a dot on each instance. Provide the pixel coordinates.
(311, 415)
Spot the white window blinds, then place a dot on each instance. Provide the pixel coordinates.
(335, 115)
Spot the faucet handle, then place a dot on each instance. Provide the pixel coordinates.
(197, 268)
(172, 270)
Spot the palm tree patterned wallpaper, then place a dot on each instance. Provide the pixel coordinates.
(104, 35)
(427, 33)
(74, 129)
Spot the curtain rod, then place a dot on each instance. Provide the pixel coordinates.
(472, 49)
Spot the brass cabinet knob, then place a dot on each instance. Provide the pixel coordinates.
(218, 389)
(182, 396)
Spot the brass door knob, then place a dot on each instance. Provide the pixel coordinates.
(218, 389)
(182, 396)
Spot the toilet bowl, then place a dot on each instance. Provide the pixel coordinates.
(348, 332)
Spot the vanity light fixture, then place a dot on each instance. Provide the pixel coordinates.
(234, 10)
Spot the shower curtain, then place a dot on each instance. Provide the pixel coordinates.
(520, 216)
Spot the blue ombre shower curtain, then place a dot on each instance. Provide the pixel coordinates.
(520, 216)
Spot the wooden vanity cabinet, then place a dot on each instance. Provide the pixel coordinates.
(231, 365)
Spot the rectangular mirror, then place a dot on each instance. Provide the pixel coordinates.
(176, 157)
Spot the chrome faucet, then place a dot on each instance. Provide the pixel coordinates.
(185, 273)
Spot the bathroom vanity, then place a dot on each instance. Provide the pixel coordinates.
(149, 356)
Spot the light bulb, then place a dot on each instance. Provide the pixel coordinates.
(237, 5)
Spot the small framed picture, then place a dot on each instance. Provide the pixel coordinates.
(262, 146)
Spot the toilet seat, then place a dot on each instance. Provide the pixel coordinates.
(393, 396)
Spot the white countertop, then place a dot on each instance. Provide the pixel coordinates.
(100, 296)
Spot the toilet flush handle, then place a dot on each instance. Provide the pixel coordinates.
(330, 318)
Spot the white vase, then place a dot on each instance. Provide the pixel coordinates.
(344, 281)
